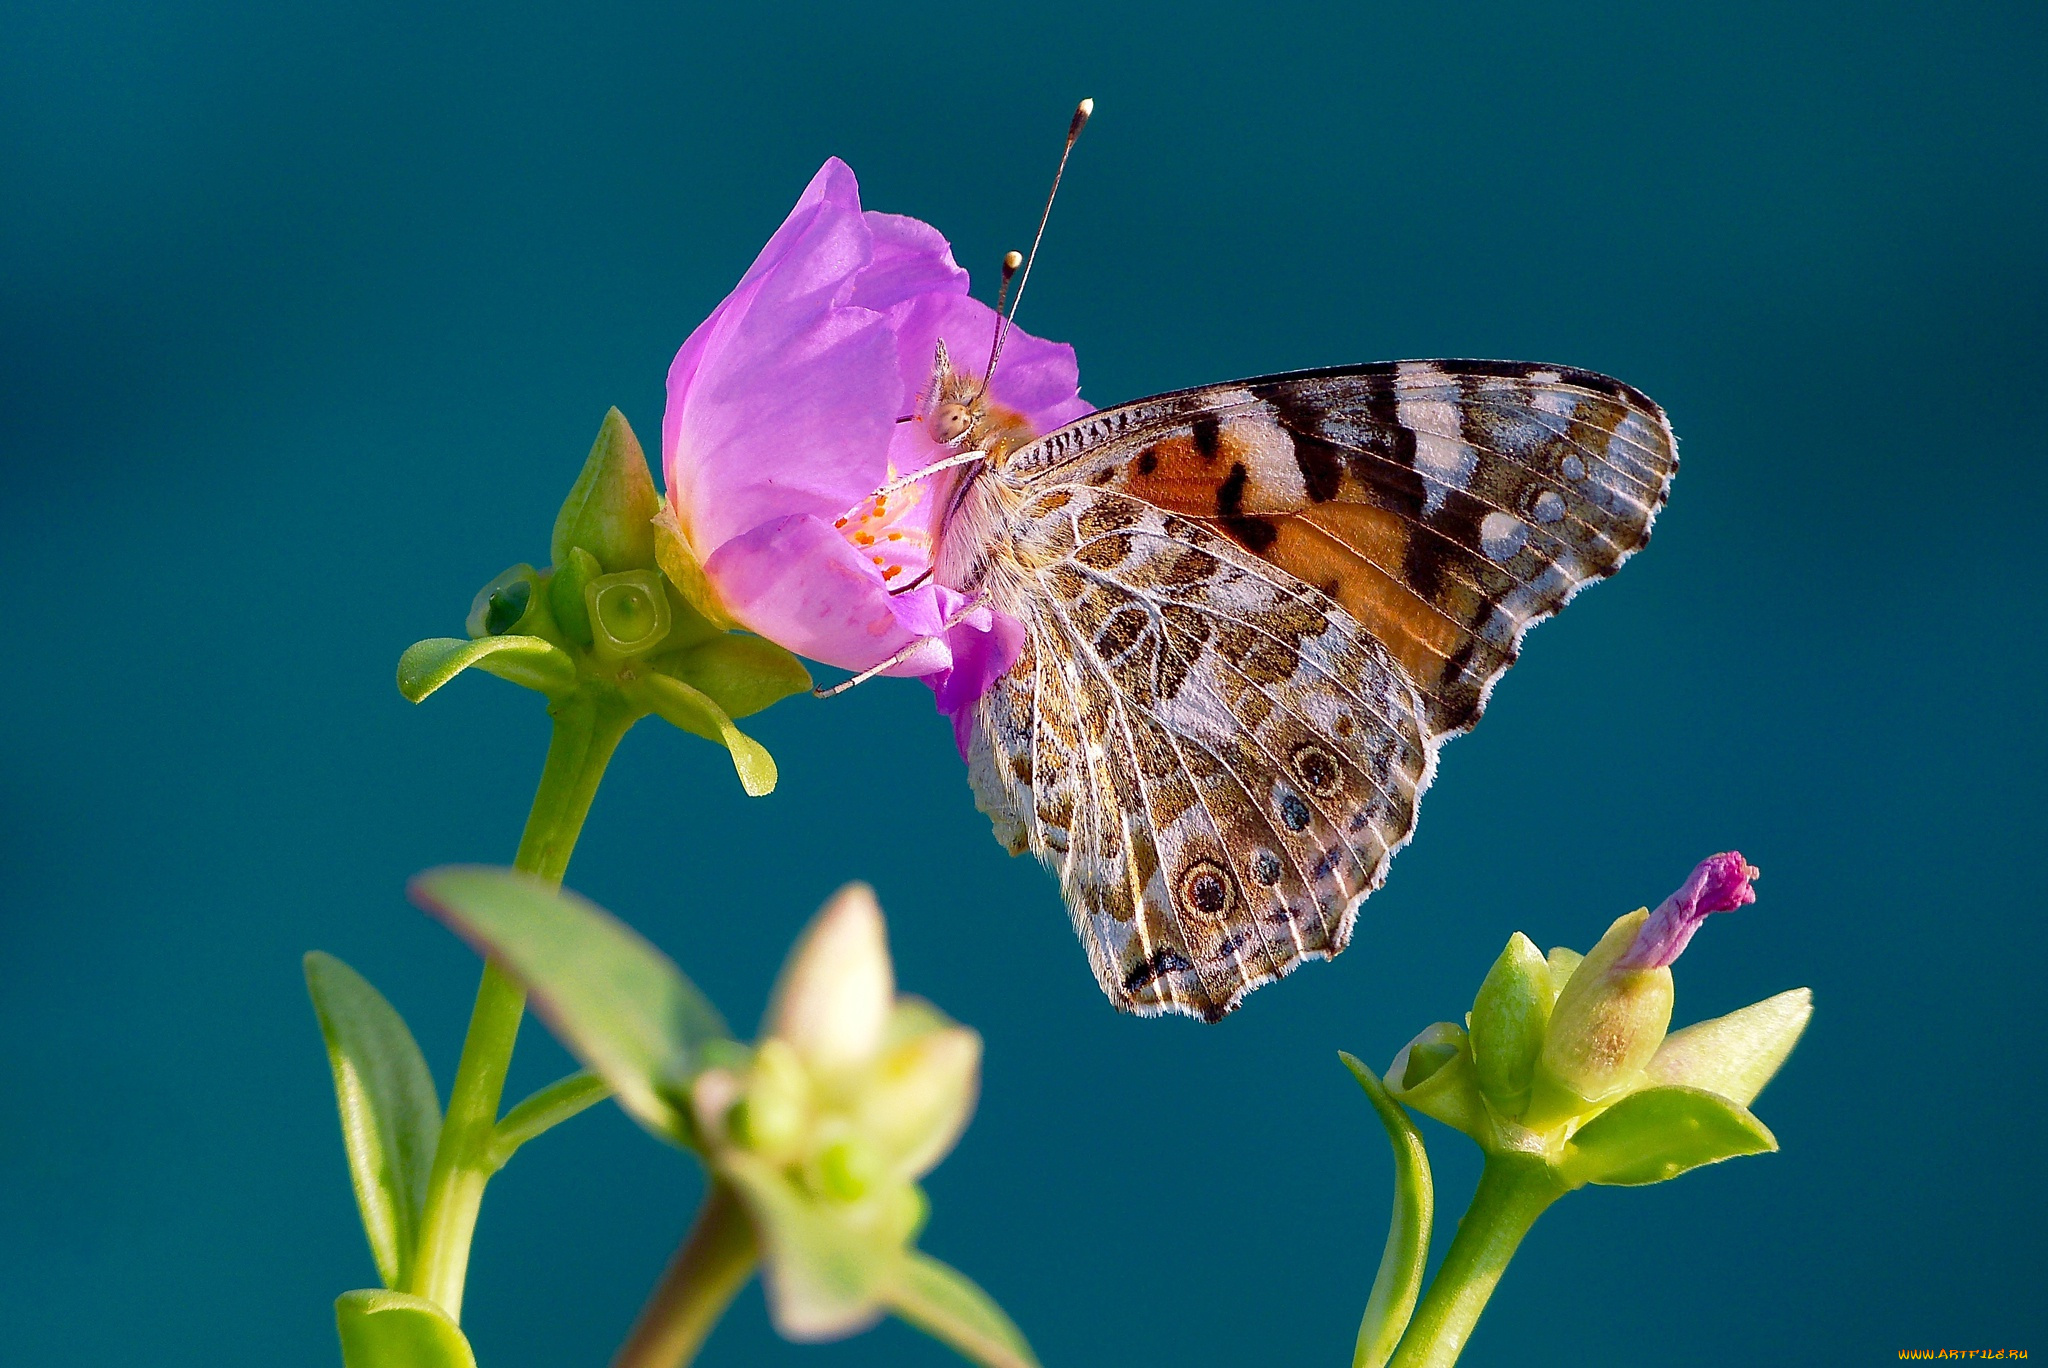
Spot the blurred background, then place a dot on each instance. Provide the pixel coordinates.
(308, 314)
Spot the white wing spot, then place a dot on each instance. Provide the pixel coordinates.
(1549, 508)
(1501, 535)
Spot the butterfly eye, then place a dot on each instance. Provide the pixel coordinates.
(949, 422)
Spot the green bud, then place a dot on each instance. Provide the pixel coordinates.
(610, 510)
(1433, 1075)
(504, 606)
(771, 1118)
(1605, 1027)
(1564, 962)
(628, 613)
(848, 1169)
(573, 573)
(1507, 1021)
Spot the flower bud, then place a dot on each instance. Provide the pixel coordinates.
(772, 1116)
(1507, 1023)
(503, 605)
(628, 613)
(1611, 1015)
(833, 1000)
(1433, 1075)
(574, 571)
(610, 510)
(848, 1169)
(1606, 1025)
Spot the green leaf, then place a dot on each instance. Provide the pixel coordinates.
(1735, 1055)
(620, 1005)
(545, 1110)
(1659, 1133)
(686, 707)
(828, 1265)
(742, 674)
(398, 1330)
(525, 660)
(610, 510)
(945, 1304)
(390, 1115)
(1399, 1282)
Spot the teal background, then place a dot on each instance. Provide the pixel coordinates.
(308, 315)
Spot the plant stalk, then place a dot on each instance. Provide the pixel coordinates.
(586, 732)
(1513, 1191)
(706, 1273)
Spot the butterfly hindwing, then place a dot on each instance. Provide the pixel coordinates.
(1216, 763)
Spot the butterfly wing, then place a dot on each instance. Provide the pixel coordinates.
(1448, 506)
(1216, 762)
(1253, 613)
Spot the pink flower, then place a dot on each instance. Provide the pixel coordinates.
(782, 420)
(1720, 883)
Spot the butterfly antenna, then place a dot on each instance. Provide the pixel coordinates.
(1004, 322)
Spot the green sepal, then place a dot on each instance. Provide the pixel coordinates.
(390, 1113)
(620, 1005)
(947, 1305)
(672, 552)
(1433, 1074)
(742, 674)
(828, 1264)
(1659, 1133)
(1399, 1281)
(574, 570)
(398, 1330)
(1735, 1055)
(693, 710)
(610, 509)
(528, 661)
(1508, 1017)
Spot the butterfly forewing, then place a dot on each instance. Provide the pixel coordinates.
(1446, 505)
(1253, 612)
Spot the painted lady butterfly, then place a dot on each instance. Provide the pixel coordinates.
(1254, 612)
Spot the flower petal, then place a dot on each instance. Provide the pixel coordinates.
(1720, 883)
(783, 401)
(983, 648)
(799, 583)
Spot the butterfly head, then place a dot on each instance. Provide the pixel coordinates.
(959, 415)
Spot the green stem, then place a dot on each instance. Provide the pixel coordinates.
(713, 1264)
(1513, 1191)
(587, 730)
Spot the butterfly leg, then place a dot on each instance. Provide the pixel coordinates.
(966, 611)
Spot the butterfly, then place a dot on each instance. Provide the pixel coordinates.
(1253, 613)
